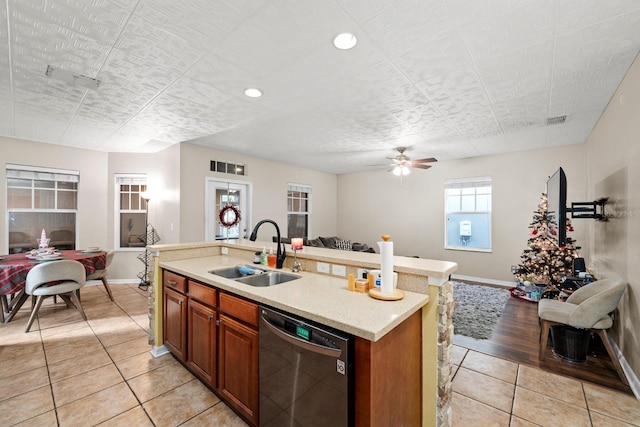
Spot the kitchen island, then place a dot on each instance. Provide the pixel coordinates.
(385, 331)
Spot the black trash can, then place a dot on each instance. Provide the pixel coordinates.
(570, 343)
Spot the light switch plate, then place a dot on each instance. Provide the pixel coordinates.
(224, 250)
(322, 267)
(338, 270)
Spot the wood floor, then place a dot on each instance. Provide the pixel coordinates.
(516, 338)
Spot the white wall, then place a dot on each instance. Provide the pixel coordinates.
(92, 193)
(612, 159)
(374, 203)
(269, 192)
(163, 178)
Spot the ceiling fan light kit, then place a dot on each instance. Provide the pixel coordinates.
(402, 164)
(401, 170)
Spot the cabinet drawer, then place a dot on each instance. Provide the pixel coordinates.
(239, 308)
(175, 281)
(202, 293)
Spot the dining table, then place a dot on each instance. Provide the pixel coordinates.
(15, 267)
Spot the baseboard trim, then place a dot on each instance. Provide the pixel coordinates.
(634, 382)
(499, 283)
(159, 351)
(114, 281)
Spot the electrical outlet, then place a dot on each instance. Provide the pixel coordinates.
(322, 267)
(362, 273)
(224, 250)
(338, 270)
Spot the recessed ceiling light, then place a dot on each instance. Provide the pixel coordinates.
(345, 41)
(253, 92)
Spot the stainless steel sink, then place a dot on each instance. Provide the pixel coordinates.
(269, 278)
(236, 271)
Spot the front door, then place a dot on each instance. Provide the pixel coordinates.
(226, 209)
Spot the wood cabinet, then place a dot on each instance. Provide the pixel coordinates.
(202, 341)
(216, 336)
(238, 355)
(388, 381)
(175, 322)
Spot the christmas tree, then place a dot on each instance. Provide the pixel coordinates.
(544, 262)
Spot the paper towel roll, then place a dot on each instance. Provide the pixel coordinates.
(386, 265)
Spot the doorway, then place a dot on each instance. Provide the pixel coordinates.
(227, 209)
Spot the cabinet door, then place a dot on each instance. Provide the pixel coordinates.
(201, 339)
(175, 323)
(238, 367)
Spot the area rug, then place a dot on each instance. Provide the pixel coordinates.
(477, 309)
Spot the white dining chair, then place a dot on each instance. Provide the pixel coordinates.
(102, 274)
(68, 277)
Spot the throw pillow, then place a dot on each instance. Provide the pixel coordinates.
(345, 245)
(317, 243)
(329, 242)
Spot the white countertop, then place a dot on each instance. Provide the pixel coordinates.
(321, 298)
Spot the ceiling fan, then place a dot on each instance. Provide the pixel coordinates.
(402, 164)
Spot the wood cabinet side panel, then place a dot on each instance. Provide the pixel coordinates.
(388, 377)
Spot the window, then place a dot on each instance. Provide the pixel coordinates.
(468, 214)
(37, 199)
(131, 220)
(298, 210)
(226, 167)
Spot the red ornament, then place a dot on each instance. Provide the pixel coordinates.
(534, 232)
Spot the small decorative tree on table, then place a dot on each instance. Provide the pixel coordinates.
(544, 264)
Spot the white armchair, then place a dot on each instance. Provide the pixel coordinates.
(587, 308)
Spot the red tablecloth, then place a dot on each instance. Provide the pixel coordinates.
(14, 268)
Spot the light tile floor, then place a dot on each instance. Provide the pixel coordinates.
(68, 372)
(488, 391)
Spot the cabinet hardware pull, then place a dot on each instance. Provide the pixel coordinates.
(210, 317)
(172, 282)
(179, 302)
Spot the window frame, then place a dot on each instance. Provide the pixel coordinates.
(299, 188)
(38, 175)
(464, 185)
(120, 179)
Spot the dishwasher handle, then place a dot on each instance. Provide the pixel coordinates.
(299, 342)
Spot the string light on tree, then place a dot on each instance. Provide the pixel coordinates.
(544, 262)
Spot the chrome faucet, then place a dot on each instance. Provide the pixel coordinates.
(281, 254)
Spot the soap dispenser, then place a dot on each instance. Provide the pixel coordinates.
(263, 256)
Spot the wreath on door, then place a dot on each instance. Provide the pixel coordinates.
(229, 216)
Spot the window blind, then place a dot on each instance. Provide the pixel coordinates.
(42, 174)
(468, 182)
(303, 188)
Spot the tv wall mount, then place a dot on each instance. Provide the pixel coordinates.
(589, 210)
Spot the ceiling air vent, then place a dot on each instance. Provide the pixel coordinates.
(557, 120)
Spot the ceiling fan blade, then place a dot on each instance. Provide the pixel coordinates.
(430, 159)
(421, 166)
(380, 164)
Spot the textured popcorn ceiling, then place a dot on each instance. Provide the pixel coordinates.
(448, 78)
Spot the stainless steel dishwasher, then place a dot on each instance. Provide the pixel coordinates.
(306, 372)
